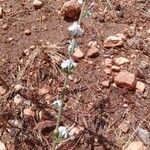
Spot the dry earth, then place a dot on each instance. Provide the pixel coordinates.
(33, 43)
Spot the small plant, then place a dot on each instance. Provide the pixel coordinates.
(67, 67)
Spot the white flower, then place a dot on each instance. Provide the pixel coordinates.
(71, 46)
(80, 1)
(63, 132)
(68, 65)
(57, 103)
(75, 29)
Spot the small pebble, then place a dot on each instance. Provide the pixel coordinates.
(5, 26)
(32, 47)
(108, 71)
(27, 32)
(105, 83)
(124, 126)
(37, 4)
(2, 91)
(28, 112)
(18, 99)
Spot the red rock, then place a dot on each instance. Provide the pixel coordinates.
(18, 87)
(90, 62)
(108, 62)
(27, 32)
(92, 52)
(148, 31)
(105, 83)
(75, 131)
(43, 91)
(2, 91)
(140, 86)
(136, 145)
(115, 68)
(78, 54)
(108, 71)
(37, 4)
(18, 99)
(125, 79)
(71, 10)
(124, 126)
(28, 112)
(92, 43)
(113, 41)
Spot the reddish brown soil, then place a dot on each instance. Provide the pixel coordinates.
(102, 108)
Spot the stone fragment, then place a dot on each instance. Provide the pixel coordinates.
(71, 10)
(113, 41)
(120, 60)
(3, 90)
(27, 32)
(17, 87)
(32, 47)
(75, 131)
(5, 26)
(43, 91)
(105, 83)
(18, 99)
(108, 62)
(125, 79)
(136, 145)
(37, 4)
(140, 86)
(144, 135)
(78, 54)
(124, 126)
(92, 52)
(28, 112)
(92, 43)
(115, 68)
(108, 71)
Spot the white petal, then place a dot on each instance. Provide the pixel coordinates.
(80, 1)
(75, 29)
(57, 103)
(63, 132)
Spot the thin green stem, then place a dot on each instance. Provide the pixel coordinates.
(56, 132)
(82, 9)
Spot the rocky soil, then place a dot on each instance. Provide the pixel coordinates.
(107, 105)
